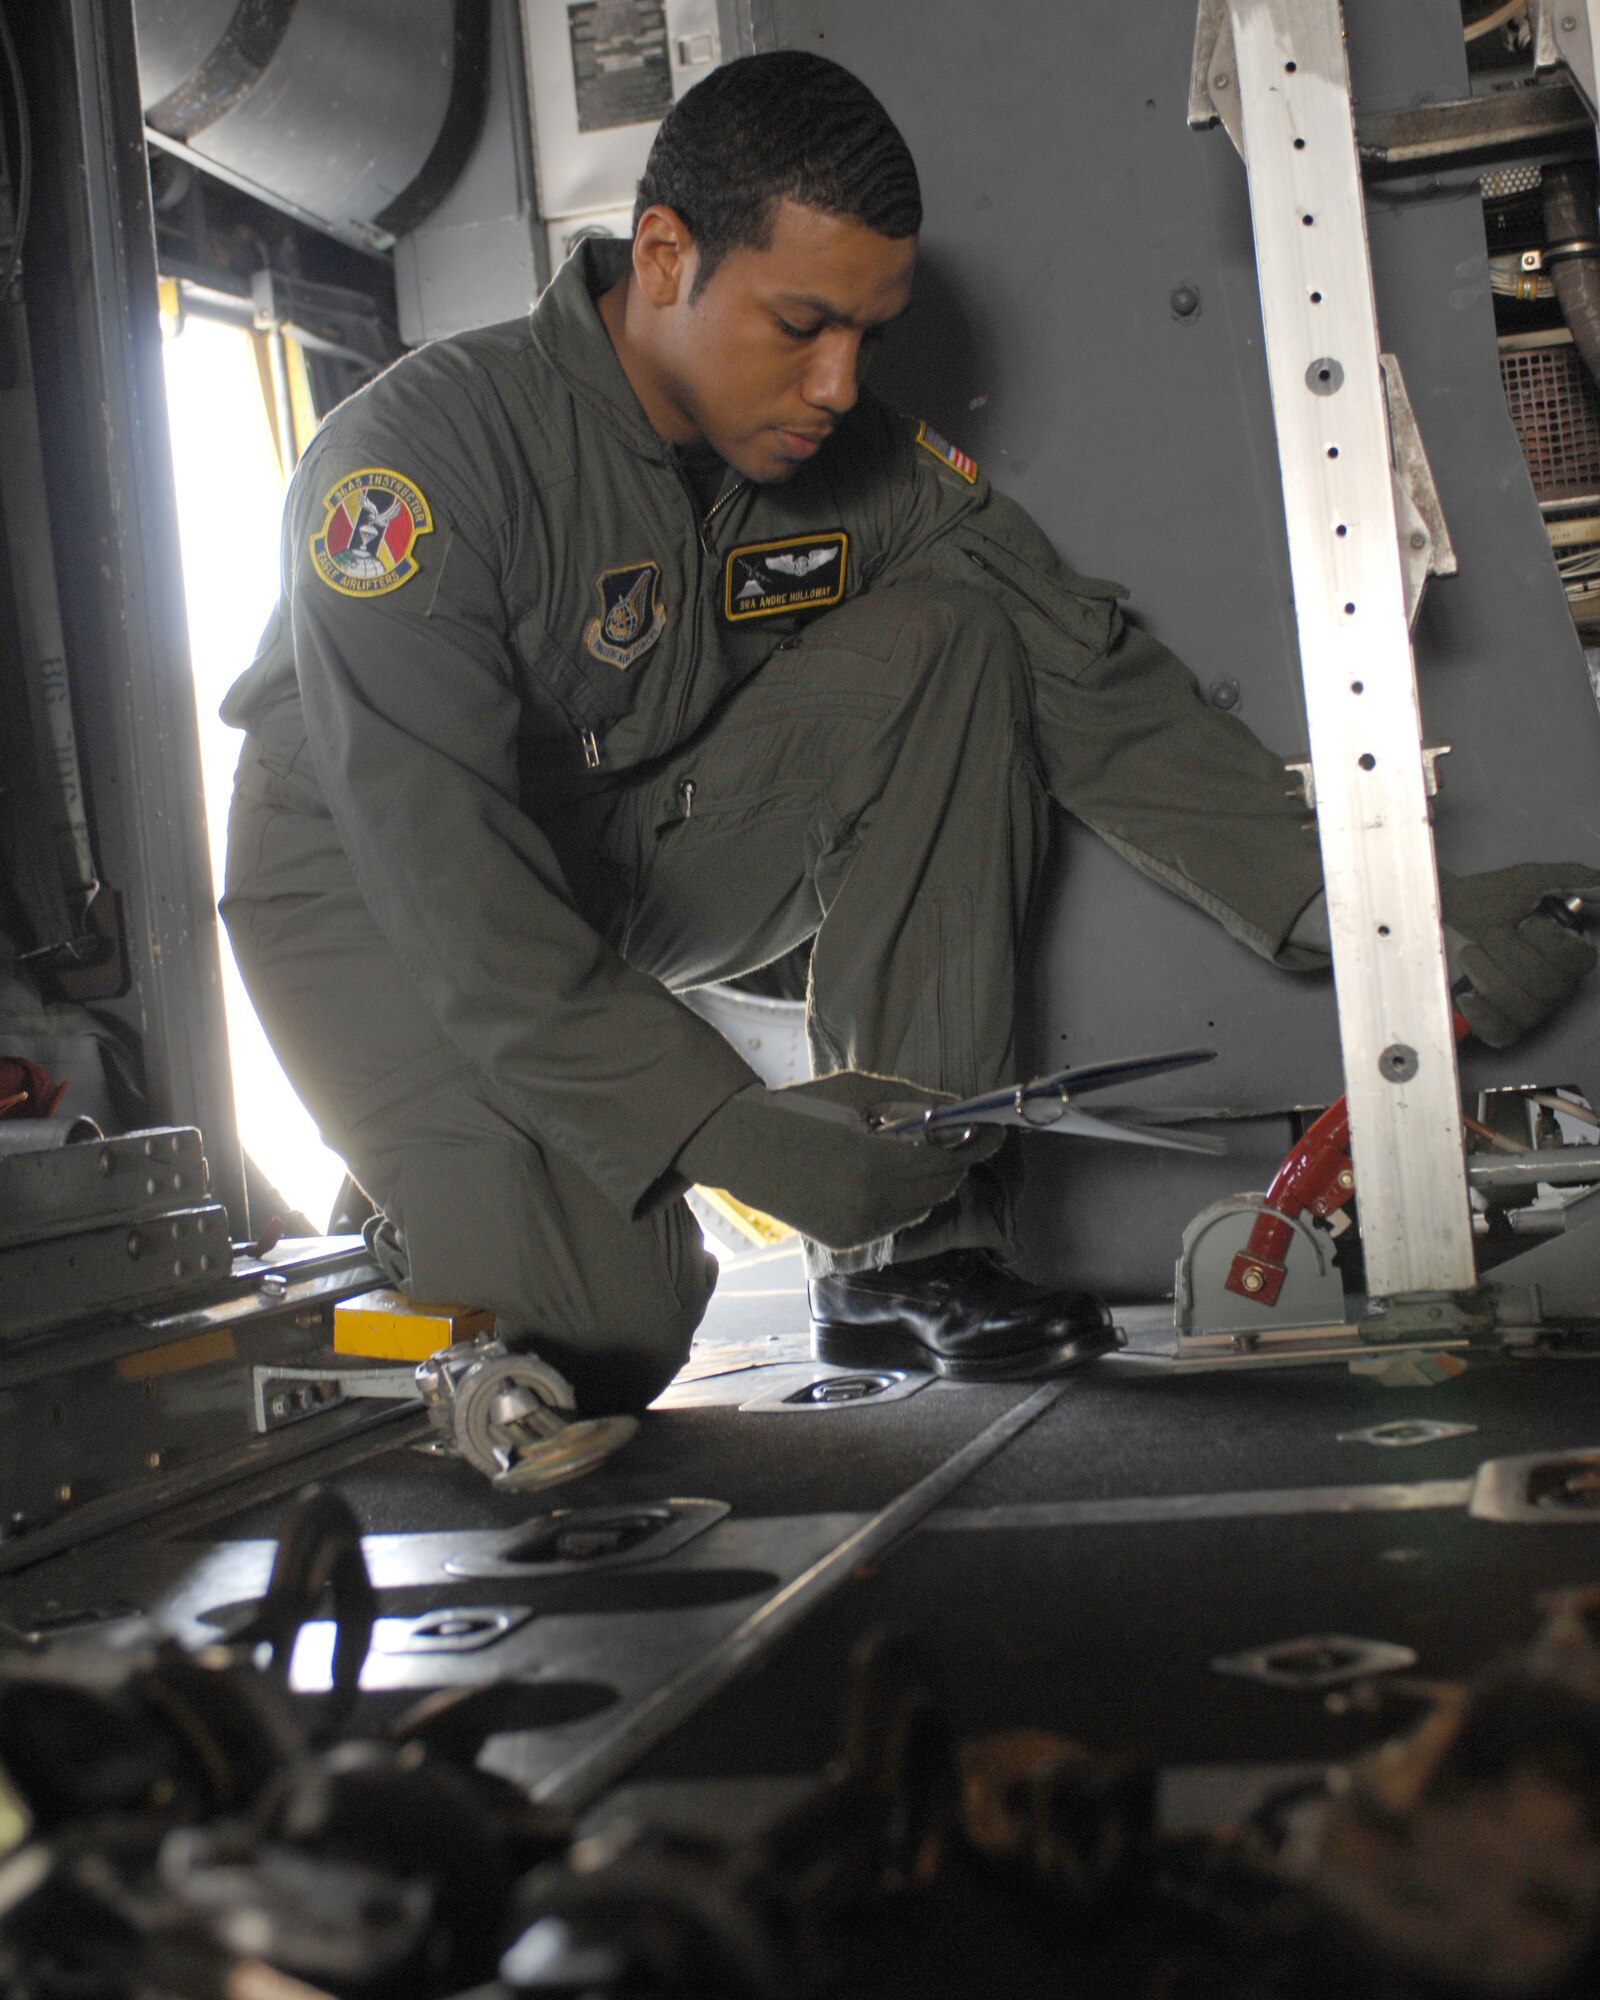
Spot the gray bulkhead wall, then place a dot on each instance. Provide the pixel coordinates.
(90, 281)
(1067, 202)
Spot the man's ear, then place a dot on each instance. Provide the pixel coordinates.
(664, 256)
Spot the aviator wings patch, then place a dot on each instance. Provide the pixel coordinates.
(803, 573)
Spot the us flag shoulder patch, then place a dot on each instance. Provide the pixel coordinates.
(947, 453)
(370, 524)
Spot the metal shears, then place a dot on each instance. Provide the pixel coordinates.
(1046, 1105)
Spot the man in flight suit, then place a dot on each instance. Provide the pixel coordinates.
(626, 646)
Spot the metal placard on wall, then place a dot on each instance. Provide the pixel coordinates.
(601, 75)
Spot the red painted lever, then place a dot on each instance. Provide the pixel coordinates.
(1317, 1175)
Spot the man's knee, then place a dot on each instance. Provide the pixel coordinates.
(485, 1221)
(910, 625)
(623, 1334)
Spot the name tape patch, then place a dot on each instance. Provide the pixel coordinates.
(632, 615)
(806, 573)
(947, 453)
(371, 522)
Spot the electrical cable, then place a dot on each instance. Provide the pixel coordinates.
(1478, 29)
(1507, 282)
(24, 181)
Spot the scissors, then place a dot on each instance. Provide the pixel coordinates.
(1046, 1105)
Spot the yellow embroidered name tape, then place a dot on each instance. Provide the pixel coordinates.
(803, 573)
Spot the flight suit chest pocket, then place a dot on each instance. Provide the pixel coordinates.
(621, 706)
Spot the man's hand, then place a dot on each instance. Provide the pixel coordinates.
(1520, 959)
(807, 1155)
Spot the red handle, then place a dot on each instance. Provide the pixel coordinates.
(1317, 1175)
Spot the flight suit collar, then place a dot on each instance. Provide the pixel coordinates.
(569, 334)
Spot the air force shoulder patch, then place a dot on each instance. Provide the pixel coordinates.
(370, 524)
(804, 574)
(947, 453)
(631, 614)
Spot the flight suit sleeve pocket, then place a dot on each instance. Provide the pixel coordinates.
(1066, 622)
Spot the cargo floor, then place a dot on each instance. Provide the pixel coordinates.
(1078, 1557)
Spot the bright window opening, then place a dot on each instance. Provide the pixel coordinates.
(230, 499)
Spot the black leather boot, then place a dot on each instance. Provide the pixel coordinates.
(962, 1315)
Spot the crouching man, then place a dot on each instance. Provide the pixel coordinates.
(626, 646)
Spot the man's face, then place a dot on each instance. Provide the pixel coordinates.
(769, 358)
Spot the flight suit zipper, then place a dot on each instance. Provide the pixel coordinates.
(703, 535)
(586, 737)
(1000, 576)
(715, 509)
(686, 792)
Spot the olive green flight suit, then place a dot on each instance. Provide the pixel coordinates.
(534, 738)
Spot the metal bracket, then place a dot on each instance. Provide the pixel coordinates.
(1211, 1319)
(286, 1395)
(831, 1389)
(570, 1541)
(1528, 125)
(1538, 1488)
(1417, 1318)
(1214, 81)
(1404, 1432)
(1564, 33)
(1553, 1282)
(1425, 545)
(1326, 1660)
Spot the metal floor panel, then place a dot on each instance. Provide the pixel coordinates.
(1075, 1558)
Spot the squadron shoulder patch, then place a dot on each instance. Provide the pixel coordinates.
(370, 525)
(947, 453)
(631, 613)
(805, 573)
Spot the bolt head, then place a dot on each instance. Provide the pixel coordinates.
(1221, 80)
(1418, 539)
(1253, 1279)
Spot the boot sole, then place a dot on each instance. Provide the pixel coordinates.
(885, 1347)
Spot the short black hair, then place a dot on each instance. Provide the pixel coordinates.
(769, 126)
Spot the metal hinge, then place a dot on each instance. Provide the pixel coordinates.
(1214, 82)
(1425, 545)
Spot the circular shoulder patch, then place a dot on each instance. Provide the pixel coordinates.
(370, 524)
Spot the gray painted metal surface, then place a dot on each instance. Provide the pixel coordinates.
(344, 113)
(108, 462)
(1067, 203)
(479, 257)
(151, 1405)
(71, 1187)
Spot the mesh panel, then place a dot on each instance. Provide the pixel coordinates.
(1511, 180)
(1557, 415)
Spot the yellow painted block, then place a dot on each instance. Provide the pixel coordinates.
(760, 1228)
(387, 1326)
